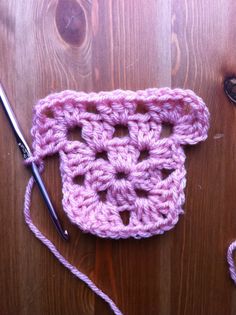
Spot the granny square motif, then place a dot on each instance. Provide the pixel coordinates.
(151, 189)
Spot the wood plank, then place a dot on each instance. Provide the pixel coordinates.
(201, 53)
(48, 46)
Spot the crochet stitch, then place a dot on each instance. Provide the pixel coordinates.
(103, 174)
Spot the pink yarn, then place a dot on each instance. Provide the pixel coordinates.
(153, 200)
(230, 258)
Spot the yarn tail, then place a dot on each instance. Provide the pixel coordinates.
(58, 255)
(230, 258)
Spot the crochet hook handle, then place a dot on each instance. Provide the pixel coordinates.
(25, 150)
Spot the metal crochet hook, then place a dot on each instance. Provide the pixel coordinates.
(25, 150)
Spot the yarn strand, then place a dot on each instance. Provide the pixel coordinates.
(230, 259)
(80, 275)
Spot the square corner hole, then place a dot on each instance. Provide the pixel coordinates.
(141, 108)
(166, 173)
(141, 193)
(144, 155)
(49, 113)
(102, 195)
(166, 130)
(125, 217)
(79, 180)
(121, 131)
(75, 134)
(92, 108)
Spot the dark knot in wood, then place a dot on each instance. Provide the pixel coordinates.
(71, 22)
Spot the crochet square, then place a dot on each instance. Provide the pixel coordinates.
(106, 172)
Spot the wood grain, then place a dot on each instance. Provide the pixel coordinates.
(48, 46)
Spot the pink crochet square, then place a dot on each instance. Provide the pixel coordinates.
(111, 166)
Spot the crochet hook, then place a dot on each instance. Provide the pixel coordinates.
(25, 150)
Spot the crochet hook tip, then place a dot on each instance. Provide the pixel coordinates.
(66, 234)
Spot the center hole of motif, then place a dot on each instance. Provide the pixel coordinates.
(121, 175)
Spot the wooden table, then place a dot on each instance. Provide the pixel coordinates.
(48, 46)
